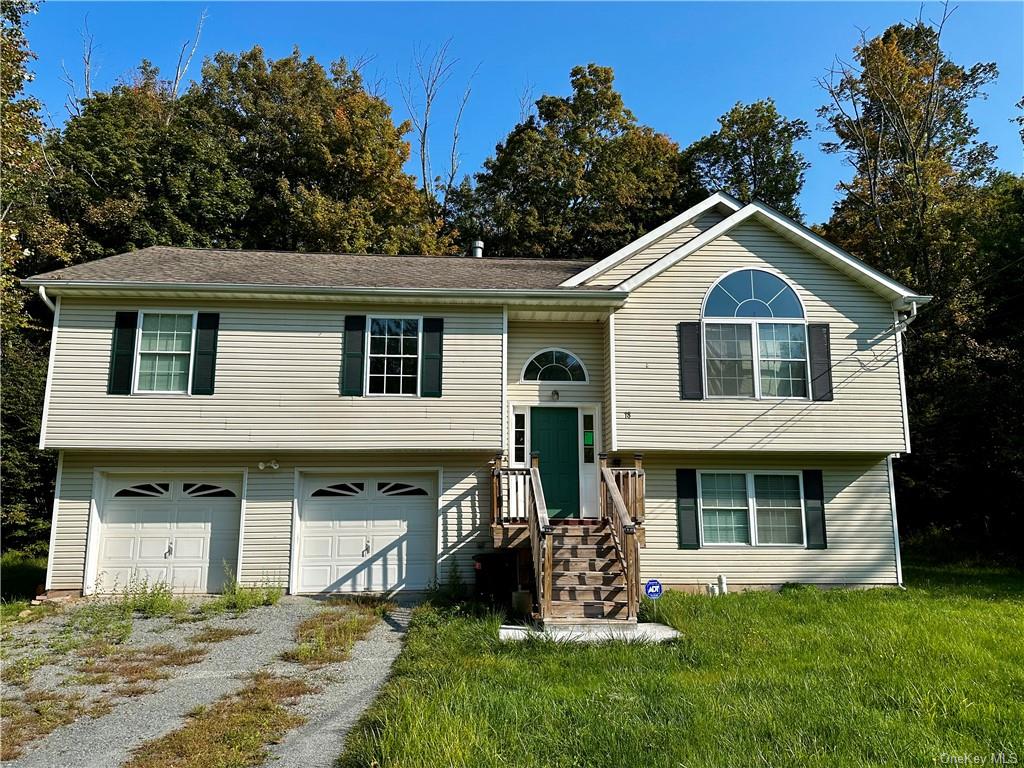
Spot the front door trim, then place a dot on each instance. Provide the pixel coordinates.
(588, 476)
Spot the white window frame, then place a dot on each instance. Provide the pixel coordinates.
(419, 355)
(755, 330)
(749, 476)
(755, 339)
(526, 364)
(137, 359)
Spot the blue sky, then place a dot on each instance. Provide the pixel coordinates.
(678, 65)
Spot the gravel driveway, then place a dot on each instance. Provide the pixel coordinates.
(344, 689)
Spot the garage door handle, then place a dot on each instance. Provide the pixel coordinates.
(170, 551)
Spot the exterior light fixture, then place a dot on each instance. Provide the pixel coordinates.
(268, 465)
(554, 395)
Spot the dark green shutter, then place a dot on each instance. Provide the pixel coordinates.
(691, 382)
(352, 355)
(814, 505)
(433, 348)
(819, 348)
(204, 368)
(122, 353)
(686, 508)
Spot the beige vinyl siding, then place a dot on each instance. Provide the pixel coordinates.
(858, 524)
(585, 340)
(656, 250)
(277, 385)
(866, 414)
(463, 520)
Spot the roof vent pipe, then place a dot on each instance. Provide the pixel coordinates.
(478, 249)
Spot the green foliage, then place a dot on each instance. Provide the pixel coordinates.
(925, 207)
(752, 156)
(94, 625)
(320, 156)
(240, 599)
(578, 179)
(151, 600)
(21, 575)
(807, 677)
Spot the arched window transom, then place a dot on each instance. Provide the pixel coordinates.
(755, 337)
(752, 293)
(338, 489)
(554, 365)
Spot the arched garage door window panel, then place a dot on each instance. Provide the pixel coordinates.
(208, 490)
(400, 489)
(338, 489)
(144, 490)
(555, 365)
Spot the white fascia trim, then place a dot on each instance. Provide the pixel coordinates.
(49, 379)
(684, 218)
(598, 295)
(53, 522)
(817, 245)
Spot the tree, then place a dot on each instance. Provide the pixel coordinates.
(142, 167)
(901, 121)
(321, 157)
(752, 156)
(28, 235)
(578, 179)
(923, 206)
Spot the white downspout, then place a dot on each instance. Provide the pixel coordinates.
(46, 299)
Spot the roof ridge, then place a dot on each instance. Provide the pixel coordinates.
(491, 259)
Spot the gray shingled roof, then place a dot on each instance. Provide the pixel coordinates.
(202, 266)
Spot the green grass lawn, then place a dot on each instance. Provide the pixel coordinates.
(799, 678)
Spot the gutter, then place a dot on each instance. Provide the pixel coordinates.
(46, 299)
(909, 306)
(610, 297)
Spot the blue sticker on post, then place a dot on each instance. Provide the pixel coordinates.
(653, 589)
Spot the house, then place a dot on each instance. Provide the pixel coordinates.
(723, 396)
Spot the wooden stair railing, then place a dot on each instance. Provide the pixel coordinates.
(622, 508)
(517, 498)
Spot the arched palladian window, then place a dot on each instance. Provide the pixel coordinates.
(554, 365)
(755, 337)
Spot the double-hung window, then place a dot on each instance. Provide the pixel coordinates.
(755, 338)
(164, 350)
(753, 508)
(394, 356)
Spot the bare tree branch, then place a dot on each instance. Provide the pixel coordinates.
(453, 162)
(431, 76)
(527, 102)
(181, 68)
(73, 100)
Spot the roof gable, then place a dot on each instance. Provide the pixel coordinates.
(900, 296)
(720, 201)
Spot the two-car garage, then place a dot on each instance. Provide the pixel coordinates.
(351, 531)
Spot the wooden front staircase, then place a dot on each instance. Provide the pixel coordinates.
(583, 569)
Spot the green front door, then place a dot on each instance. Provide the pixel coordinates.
(554, 434)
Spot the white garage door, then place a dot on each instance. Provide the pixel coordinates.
(367, 533)
(176, 529)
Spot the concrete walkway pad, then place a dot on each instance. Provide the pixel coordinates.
(598, 632)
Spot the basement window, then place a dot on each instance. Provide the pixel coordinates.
(751, 508)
